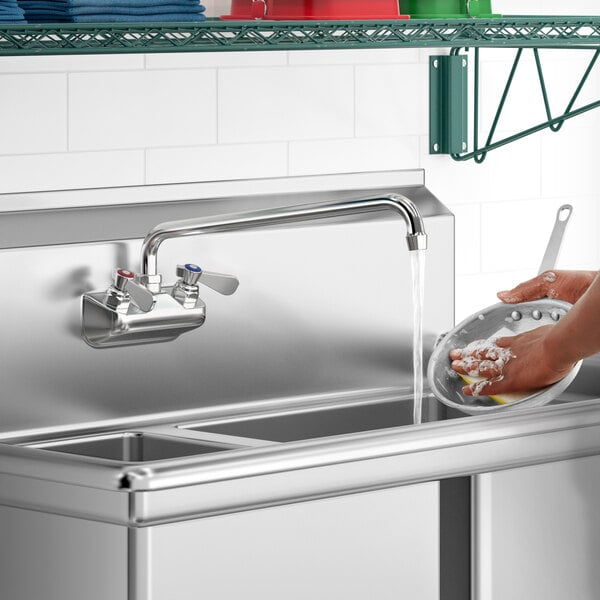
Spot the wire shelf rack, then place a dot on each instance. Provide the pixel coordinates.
(215, 35)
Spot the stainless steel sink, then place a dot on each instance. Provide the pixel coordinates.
(131, 446)
(325, 422)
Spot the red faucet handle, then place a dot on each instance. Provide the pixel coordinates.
(125, 273)
(124, 281)
(121, 277)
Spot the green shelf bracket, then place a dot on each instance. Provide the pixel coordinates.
(448, 104)
(480, 152)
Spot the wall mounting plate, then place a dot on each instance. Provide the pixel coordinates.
(448, 104)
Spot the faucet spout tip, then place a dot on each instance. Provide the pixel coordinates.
(417, 241)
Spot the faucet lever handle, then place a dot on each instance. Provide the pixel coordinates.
(220, 282)
(192, 275)
(124, 281)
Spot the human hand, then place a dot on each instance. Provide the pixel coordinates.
(513, 364)
(564, 285)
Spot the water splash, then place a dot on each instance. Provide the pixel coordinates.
(418, 280)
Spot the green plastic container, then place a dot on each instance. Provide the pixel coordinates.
(447, 9)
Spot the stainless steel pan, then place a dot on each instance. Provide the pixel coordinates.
(496, 321)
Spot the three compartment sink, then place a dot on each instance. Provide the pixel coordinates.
(131, 446)
(324, 422)
(173, 441)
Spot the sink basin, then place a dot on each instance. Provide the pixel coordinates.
(325, 422)
(131, 447)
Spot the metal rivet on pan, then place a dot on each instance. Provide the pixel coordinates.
(516, 315)
(537, 315)
(555, 315)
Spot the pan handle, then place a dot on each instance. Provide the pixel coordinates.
(552, 250)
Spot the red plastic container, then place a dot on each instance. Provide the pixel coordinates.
(292, 10)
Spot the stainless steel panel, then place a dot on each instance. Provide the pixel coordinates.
(51, 557)
(275, 474)
(320, 310)
(143, 194)
(538, 532)
(382, 544)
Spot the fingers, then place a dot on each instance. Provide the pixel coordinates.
(482, 358)
(505, 342)
(487, 387)
(479, 349)
(533, 289)
(479, 368)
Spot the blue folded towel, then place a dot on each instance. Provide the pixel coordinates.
(48, 20)
(111, 11)
(166, 18)
(108, 4)
(10, 19)
(121, 10)
(173, 6)
(105, 6)
(43, 4)
(7, 12)
(37, 5)
(34, 16)
(44, 10)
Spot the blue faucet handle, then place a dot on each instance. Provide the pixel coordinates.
(192, 274)
(189, 273)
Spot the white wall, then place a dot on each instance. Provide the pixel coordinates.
(96, 121)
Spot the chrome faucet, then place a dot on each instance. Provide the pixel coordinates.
(138, 309)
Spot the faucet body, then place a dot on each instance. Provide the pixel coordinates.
(145, 311)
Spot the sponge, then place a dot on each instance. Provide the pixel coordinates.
(500, 399)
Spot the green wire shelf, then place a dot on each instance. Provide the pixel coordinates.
(215, 35)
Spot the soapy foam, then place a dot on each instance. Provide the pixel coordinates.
(550, 277)
(486, 355)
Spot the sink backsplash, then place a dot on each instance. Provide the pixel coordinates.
(321, 309)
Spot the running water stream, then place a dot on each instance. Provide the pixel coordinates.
(418, 281)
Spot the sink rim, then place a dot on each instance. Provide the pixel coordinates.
(52, 445)
(203, 426)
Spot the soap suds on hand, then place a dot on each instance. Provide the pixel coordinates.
(485, 356)
(477, 388)
(550, 277)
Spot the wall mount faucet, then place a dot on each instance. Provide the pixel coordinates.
(129, 312)
(139, 309)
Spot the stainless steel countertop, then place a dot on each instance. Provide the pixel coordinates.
(275, 473)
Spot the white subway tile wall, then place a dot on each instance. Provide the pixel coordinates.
(97, 121)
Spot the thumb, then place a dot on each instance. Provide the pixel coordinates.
(486, 387)
(533, 289)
